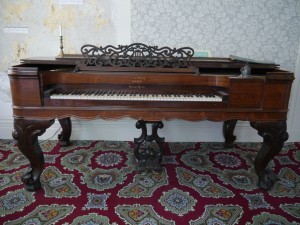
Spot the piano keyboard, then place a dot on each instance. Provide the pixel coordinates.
(123, 96)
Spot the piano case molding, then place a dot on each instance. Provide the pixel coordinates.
(111, 83)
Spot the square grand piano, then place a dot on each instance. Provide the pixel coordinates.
(149, 84)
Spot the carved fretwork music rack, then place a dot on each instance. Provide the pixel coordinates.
(137, 55)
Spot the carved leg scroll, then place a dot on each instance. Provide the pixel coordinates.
(228, 129)
(27, 132)
(274, 135)
(64, 136)
(148, 158)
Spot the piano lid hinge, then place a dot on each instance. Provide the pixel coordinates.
(77, 69)
(197, 71)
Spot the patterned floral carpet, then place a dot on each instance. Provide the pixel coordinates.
(94, 182)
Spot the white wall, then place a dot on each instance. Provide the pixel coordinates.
(294, 114)
(173, 130)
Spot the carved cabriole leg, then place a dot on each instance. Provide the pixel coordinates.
(228, 129)
(148, 159)
(15, 135)
(27, 132)
(64, 136)
(274, 135)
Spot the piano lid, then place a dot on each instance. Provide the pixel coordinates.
(141, 55)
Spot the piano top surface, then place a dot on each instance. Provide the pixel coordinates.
(200, 62)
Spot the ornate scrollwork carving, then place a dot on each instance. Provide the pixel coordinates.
(136, 55)
(149, 159)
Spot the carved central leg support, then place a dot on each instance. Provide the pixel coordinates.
(26, 133)
(148, 158)
(274, 135)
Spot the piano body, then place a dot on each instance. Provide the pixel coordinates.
(148, 83)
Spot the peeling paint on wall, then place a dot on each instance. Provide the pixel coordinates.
(13, 11)
(58, 14)
(71, 16)
(20, 50)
